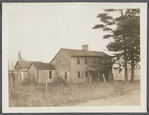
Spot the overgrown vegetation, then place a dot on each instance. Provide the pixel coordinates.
(58, 81)
(64, 94)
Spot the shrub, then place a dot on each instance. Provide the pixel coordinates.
(28, 81)
(59, 81)
(11, 76)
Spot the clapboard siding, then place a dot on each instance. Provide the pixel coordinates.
(82, 67)
(33, 73)
(18, 67)
(43, 75)
(24, 69)
(40, 76)
(61, 62)
(75, 68)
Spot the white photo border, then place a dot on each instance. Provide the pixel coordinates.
(74, 109)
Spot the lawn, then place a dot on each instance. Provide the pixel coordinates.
(36, 95)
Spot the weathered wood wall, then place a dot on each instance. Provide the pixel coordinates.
(18, 67)
(61, 63)
(24, 69)
(82, 67)
(32, 73)
(44, 75)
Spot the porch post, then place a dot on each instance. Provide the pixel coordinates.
(22, 75)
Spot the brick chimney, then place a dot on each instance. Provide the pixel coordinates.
(85, 47)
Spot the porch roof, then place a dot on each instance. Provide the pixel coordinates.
(97, 67)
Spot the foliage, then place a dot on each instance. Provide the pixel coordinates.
(59, 81)
(126, 36)
(29, 80)
(20, 56)
(66, 95)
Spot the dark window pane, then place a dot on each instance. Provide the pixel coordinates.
(78, 74)
(86, 74)
(50, 74)
(85, 60)
(66, 75)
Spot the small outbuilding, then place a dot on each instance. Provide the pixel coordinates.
(41, 72)
(21, 69)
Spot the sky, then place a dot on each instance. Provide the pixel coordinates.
(39, 31)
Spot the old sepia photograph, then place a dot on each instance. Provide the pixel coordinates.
(74, 57)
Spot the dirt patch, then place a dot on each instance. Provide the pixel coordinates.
(132, 98)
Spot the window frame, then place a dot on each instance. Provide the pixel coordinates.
(86, 74)
(78, 60)
(79, 76)
(85, 60)
(66, 75)
(60, 61)
(50, 74)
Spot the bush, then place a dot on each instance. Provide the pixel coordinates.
(11, 76)
(59, 81)
(28, 81)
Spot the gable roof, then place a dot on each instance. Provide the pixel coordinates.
(25, 64)
(43, 66)
(83, 53)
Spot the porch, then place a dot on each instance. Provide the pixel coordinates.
(98, 72)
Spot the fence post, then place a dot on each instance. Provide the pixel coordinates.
(104, 78)
(46, 85)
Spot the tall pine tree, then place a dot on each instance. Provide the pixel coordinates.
(20, 56)
(126, 37)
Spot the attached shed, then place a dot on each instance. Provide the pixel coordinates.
(41, 72)
(21, 69)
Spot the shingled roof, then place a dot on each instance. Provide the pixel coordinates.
(76, 53)
(43, 66)
(25, 64)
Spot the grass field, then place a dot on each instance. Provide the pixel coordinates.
(35, 95)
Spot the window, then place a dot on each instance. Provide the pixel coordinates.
(78, 60)
(66, 75)
(50, 74)
(60, 60)
(86, 74)
(85, 60)
(78, 74)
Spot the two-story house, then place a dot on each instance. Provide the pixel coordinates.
(77, 65)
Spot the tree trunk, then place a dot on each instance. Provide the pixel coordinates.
(125, 59)
(132, 66)
(125, 53)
